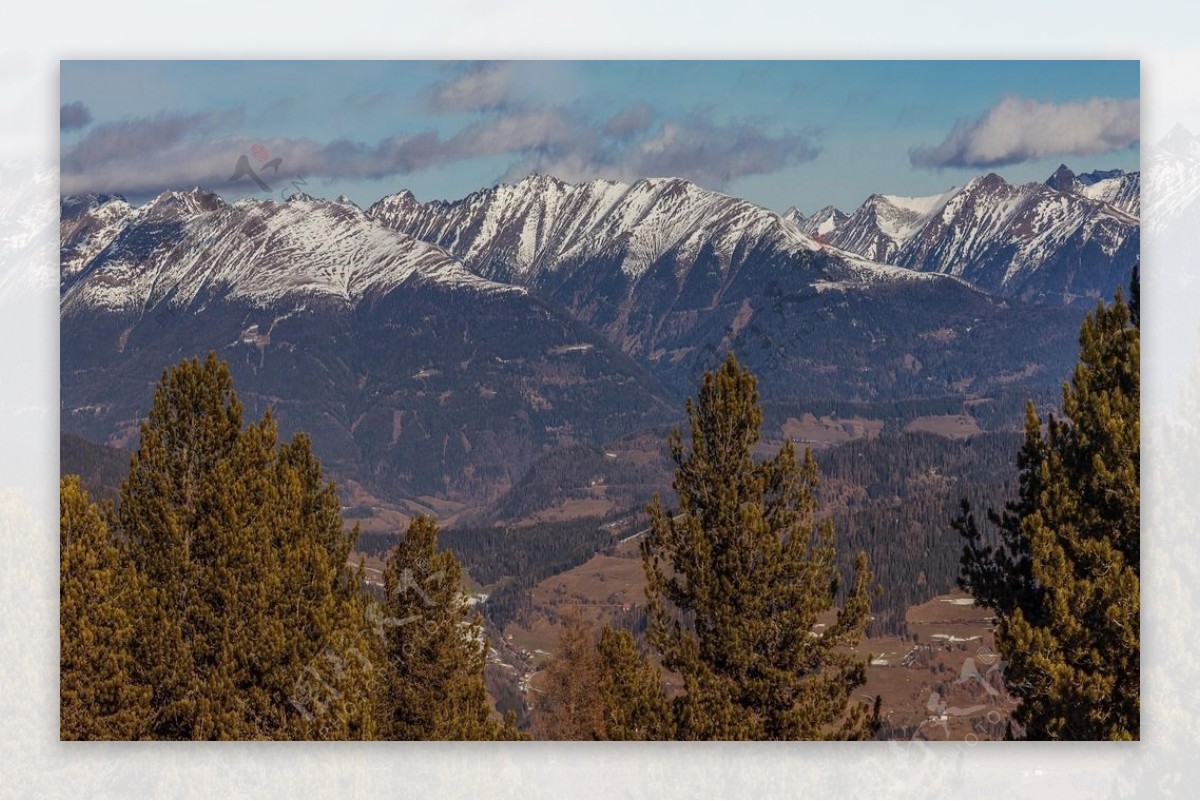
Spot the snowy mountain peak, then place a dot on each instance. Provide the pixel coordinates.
(187, 203)
(990, 182)
(882, 225)
(1063, 179)
(539, 180)
(1117, 188)
(824, 222)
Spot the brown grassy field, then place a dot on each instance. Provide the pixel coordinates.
(824, 431)
(944, 681)
(955, 426)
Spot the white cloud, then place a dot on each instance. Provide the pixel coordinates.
(478, 87)
(1016, 129)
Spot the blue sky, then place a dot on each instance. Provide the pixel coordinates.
(780, 133)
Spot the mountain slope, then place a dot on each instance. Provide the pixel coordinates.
(881, 227)
(520, 233)
(1117, 188)
(413, 375)
(1028, 240)
(537, 316)
(186, 246)
(675, 275)
(639, 262)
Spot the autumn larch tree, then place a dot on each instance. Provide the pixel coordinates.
(569, 701)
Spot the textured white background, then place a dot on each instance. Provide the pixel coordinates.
(34, 36)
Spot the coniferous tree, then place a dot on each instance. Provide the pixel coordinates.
(1063, 575)
(433, 687)
(631, 691)
(250, 625)
(737, 578)
(100, 697)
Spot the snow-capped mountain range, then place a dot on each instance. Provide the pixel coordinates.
(639, 262)
(184, 245)
(1075, 230)
(1069, 237)
(437, 348)
(518, 232)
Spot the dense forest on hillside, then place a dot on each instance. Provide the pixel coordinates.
(892, 496)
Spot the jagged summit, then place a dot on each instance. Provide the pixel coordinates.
(1063, 179)
(824, 222)
(187, 202)
(299, 197)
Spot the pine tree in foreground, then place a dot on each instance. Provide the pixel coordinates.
(736, 581)
(249, 625)
(433, 686)
(1063, 576)
(100, 697)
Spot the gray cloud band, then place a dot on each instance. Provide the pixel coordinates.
(172, 150)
